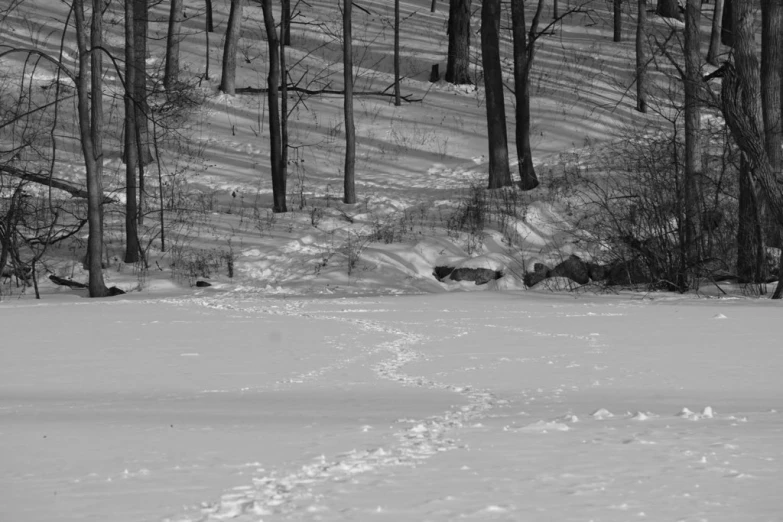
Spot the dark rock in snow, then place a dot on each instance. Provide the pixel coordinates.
(597, 272)
(442, 272)
(574, 269)
(202, 284)
(115, 291)
(540, 272)
(628, 273)
(480, 275)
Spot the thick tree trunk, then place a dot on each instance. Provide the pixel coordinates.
(668, 9)
(499, 170)
(350, 131)
(618, 20)
(228, 74)
(641, 57)
(746, 61)
(714, 51)
(90, 128)
(692, 182)
(524, 52)
(132, 249)
(171, 70)
(771, 78)
(458, 61)
(273, 81)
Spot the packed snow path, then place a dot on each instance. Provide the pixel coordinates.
(480, 406)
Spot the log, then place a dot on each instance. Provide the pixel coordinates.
(56, 183)
(66, 282)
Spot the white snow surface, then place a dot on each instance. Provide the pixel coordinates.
(476, 406)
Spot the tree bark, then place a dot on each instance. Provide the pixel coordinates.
(714, 51)
(210, 21)
(693, 151)
(668, 9)
(171, 70)
(749, 243)
(349, 196)
(641, 57)
(141, 22)
(228, 74)
(273, 81)
(286, 26)
(727, 24)
(132, 248)
(458, 61)
(90, 128)
(397, 100)
(524, 52)
(618, 20)
(499, 170)
(771, 78)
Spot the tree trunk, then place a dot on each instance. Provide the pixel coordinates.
(210, 21)
(171, 70)
(132, 249)
(397, 101)
(90, 127)
(692, 182)
(750, 243)
(641, 57)
(286, 26)
(618, 20)
(668, 9)
(714, 51)
(524, 52)
(458, 62)
(273, 81)
(771, 78)
(141, 21)
(727, 24)
(228, 75)
(499, 170)
(350, 131)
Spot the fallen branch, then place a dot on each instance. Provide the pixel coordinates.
(262, 90)
(56, 183)
(66, 282)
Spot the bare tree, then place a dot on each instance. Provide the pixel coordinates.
(273, 81)
(499, 170)
(458, 61)
(397, 101)
(693, 151)
(228, 76)
(132, 248)
(349, 195)
(714, 50)
(210, 21)
(171, 70)
(771, 78)
(89, 90)
(641, 57)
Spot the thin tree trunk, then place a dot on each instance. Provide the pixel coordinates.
(228, 75)
(286, 30)
(90, 128)
(641, 57)
(727, 24)
(750, 244)
(432, 7)
(210, 21)
(555, 10)
(771, 78)
(524, 52)
(141, 19)
(171, 70)
(273, 81)
(499, 170)
(350, 131)
(714, 51)
(397, 101)
(618, 20)
(458, 61)
(132, 249)
(692, 182)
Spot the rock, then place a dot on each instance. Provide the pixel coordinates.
(115, 291)
(442, 272)
(574, 269)
(202, 284)
(480, 275)
(540, 272)
(628, 273)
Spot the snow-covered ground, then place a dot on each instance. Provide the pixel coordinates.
(477, 406)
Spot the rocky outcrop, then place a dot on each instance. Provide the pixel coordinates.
(480, 276)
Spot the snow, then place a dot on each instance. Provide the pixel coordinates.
(300, 389)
